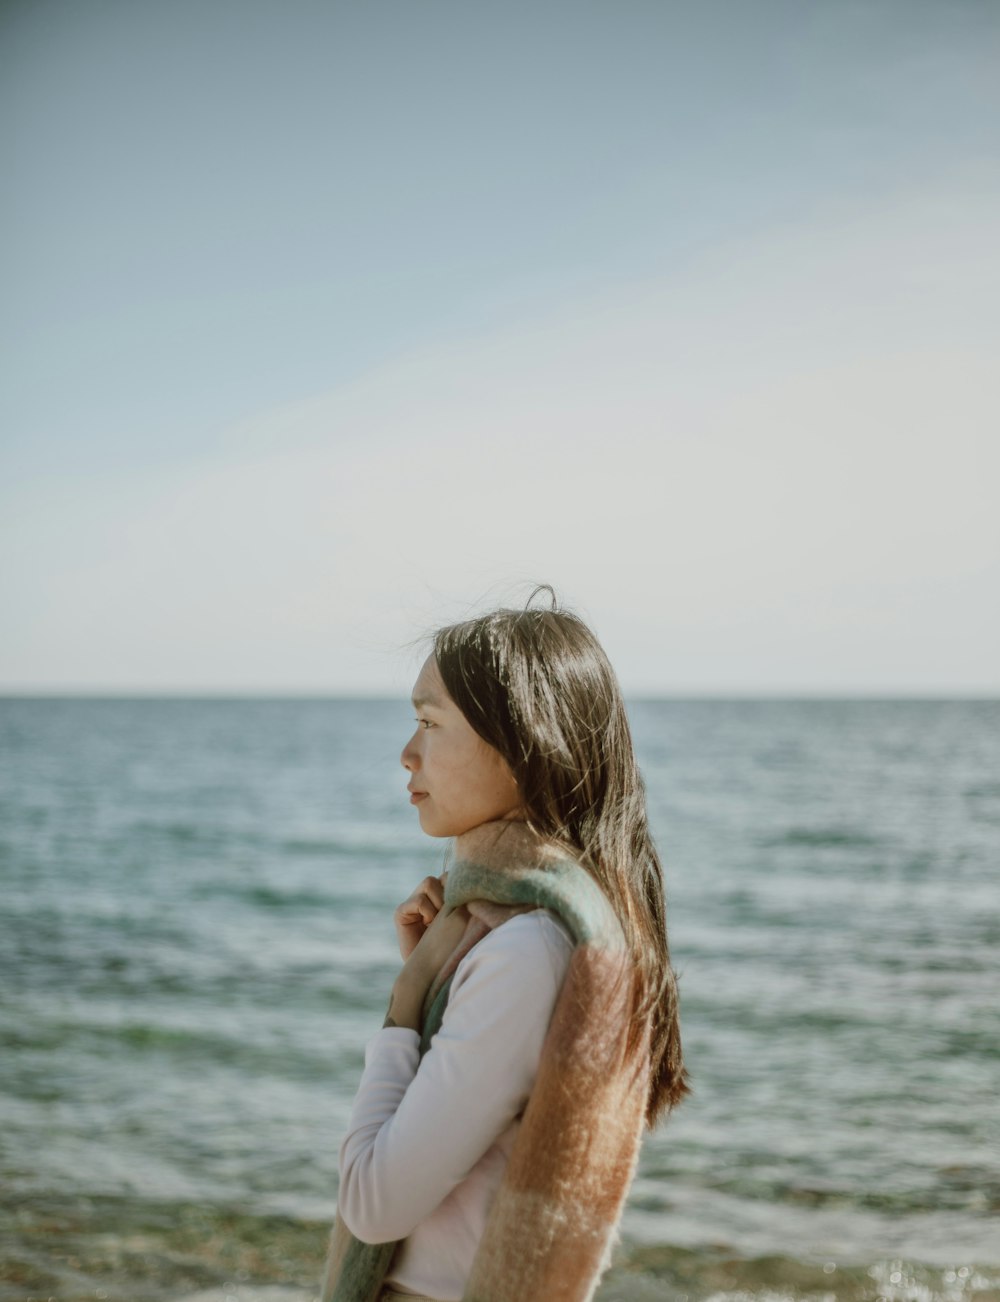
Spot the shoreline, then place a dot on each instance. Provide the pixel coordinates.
(116, 1249)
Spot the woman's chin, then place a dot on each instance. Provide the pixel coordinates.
(435, 821)
(431, 825)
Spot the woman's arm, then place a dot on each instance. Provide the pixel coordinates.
(418, 1127)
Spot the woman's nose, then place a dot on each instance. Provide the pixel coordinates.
(408, 758)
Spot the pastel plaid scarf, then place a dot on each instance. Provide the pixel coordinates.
(554, 1221)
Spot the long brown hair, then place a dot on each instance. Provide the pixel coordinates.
(536, 685)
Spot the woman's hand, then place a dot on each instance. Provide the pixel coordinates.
(415, 915)
(418, 972)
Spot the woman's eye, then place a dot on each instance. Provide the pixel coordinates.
(424, 723)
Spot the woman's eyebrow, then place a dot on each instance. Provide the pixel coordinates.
(419, 702)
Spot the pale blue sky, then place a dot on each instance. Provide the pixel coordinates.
(323, 322)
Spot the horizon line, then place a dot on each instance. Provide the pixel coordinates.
(382, 694)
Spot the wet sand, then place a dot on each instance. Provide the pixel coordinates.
(78, 1249)
(72, 1249)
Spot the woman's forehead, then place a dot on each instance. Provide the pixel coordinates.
(429, 689)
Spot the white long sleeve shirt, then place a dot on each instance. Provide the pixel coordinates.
(428, 1140)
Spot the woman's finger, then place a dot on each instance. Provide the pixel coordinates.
(416, 913)
(417, 908)
(430, 888)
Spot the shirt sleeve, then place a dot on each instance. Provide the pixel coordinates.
(418, 1127)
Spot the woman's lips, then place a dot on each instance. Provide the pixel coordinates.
(416, 797)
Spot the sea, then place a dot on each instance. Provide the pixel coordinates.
(196, 942)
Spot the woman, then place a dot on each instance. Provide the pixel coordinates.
(533, 1027)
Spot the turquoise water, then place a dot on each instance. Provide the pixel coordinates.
(197, 941)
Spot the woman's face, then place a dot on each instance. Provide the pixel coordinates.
(457, 780)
